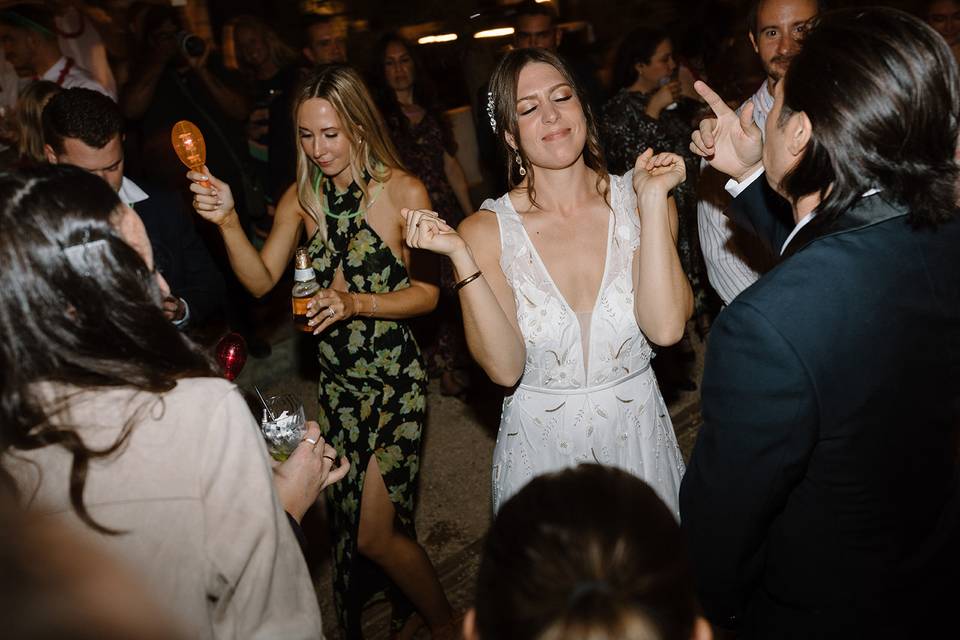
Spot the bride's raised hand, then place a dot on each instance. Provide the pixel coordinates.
(657, 174)
(426, 230)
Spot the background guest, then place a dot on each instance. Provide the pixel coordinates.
(424, 140)
(33, 99)
(944, 17)
(271, 72)
(649, 111)
(29, 36)
(326, 40)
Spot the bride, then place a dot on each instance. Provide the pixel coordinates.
(563, 293)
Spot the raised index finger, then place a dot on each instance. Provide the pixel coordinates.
(715, 102)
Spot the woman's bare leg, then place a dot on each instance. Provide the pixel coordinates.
(401, 558)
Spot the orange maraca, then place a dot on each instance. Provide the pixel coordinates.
(188, 143)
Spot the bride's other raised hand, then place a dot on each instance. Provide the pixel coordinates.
(656, 174)
(426, 230)
(213, 202)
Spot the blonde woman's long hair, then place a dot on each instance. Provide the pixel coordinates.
(372, 152)
(29, 118)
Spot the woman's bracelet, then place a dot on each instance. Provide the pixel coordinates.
(373, 300)
(467, 280)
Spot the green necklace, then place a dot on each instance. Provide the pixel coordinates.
(344, 216)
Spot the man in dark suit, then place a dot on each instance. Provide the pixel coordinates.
(821, 499)
(83, 128)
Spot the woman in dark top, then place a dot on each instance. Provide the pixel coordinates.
(650, 111)
(424, 140)
(272, 73)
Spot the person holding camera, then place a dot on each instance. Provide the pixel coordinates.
(177, 78)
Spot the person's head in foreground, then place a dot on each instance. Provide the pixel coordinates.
(589, 553)
(80, 305)
(885, 116)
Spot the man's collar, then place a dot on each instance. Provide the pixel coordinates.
(872, 208)
(129, 193)
(52, 72)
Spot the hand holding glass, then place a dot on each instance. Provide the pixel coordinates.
(283, 425)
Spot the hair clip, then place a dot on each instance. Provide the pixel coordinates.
(77, 253)
(493, 120)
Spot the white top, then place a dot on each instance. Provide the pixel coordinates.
(734, 258)
(76, 76)
(86, 48)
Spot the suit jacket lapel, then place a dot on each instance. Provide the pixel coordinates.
(869, 211)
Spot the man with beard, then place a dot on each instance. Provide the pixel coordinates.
(735, 258)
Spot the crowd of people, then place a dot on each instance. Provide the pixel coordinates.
(807, 233)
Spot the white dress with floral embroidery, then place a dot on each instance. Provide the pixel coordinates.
(587, 393)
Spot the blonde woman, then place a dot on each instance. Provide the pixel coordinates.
(348, 196)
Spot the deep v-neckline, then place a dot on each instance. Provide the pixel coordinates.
(549, 276)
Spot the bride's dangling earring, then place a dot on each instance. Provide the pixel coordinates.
(523, 171)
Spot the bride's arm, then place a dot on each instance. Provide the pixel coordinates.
(489, 311)
(663, 299)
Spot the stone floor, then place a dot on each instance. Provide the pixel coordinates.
(453, 509)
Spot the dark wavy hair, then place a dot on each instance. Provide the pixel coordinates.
(882, 92)
(83, 114)
(637, 47)
(503, 87)
(424, 91)
(589, 552)
(78, 308)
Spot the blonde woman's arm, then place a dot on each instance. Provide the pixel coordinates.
(257, 271)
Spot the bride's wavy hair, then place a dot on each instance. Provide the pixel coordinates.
(79, 309)
(503, 90)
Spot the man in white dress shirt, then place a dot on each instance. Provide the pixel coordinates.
(29, 37)
(735, 258)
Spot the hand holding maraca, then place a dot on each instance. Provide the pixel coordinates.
(213, 199)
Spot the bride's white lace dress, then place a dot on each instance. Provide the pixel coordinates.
(587, 393)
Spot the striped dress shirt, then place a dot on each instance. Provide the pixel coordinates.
(734, 257)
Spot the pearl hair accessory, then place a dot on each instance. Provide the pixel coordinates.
(493, 120)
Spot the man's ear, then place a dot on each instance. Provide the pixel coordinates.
(798, 130)
(308, 54)
(50, 154)
(753, 41)
(557, 36)
(470, 625)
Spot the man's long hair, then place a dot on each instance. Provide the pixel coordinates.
(882, 93)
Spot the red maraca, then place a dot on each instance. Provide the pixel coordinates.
(232, 354)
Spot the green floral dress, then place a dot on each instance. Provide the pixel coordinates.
(372, 400)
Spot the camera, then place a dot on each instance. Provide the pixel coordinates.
(191, 44)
